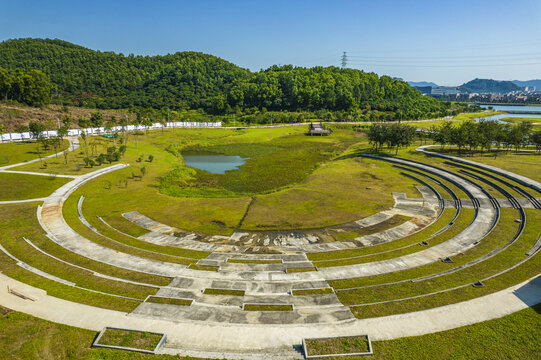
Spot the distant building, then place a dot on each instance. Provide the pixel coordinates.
(445, 90)
(529, 88)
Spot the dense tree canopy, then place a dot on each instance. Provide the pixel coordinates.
(192, 80)
(31, 87)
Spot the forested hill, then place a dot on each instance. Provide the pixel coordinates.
(91, 78)
(489, 86)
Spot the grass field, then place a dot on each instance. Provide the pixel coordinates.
(518, 120)
(17, 152)
(21, 186)
(313, 190)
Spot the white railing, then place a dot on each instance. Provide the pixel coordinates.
(101, 130)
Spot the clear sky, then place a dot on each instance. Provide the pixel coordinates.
(448, 42)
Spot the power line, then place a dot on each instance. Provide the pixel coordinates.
(446, 66)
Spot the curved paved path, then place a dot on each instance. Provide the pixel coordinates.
(240, 340)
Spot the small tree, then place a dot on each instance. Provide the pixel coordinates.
(536, 139)
(67, 120)
(96, 119)
(36, 129)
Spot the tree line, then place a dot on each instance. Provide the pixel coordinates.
(393, 135)
(190, 80)
(485, 135)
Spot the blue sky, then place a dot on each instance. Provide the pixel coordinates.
(448, 42)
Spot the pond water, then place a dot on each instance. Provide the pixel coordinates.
(214, 164)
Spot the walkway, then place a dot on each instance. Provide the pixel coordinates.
(241, 340)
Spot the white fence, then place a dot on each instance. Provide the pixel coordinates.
(101, 130)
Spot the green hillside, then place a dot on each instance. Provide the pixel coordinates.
(89, 78)
(489, 86)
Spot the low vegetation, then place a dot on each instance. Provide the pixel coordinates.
(230, 292)
(169, 301)
(263, 307)
(337, 345)
(130, 338)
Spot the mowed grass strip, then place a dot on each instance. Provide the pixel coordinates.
(492, 267)
(169, 301)
(231, 292)
(17, 221)
(420, 235)
(123, 225)
(337, 345)
(460, 224)
(194, 266)
(394, 221)
(305, 292)
(130, 338)
(17, 152)
(244, 261)
(300, 269)
(49, 246)
(483, 248)
(114, 234)
(266, 307)
(21, 186)
(69, 211)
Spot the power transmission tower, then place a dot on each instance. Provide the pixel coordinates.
(344, 60)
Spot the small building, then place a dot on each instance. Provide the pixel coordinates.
(318, 129)
(445, 90)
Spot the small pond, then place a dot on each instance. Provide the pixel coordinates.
(215, 164)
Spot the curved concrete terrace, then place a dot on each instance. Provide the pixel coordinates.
(257, 341)
(51, 219)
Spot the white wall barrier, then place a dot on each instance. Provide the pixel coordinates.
(101, 130)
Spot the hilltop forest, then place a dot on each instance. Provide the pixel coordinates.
(190, 80)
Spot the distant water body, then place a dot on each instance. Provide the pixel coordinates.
(215, 164)
(522, 109)
(525, 112)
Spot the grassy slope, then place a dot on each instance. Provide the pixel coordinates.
(20, 187)
(16, 152)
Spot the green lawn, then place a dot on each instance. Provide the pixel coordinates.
(20, 186)
(313, 190)
(17, 152)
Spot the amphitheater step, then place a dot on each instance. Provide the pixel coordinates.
(215, 314)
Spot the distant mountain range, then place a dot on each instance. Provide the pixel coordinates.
(483, 86)
(422, 84)
(536, 83)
